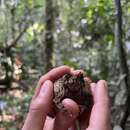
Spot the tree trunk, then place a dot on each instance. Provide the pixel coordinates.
(49, 39)
(123, 60)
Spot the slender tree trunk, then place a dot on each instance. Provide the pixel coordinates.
(123, 60)
(49, 38)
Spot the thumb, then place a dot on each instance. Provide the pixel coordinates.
(39, 108)
(66, 118)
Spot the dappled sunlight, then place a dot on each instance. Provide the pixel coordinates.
(38, 35)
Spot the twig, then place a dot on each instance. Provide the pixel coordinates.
(15, 41)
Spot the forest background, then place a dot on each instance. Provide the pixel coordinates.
(37, 35)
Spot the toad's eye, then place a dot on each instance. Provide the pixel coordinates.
(67, 76)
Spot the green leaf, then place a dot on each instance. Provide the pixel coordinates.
(71, 64)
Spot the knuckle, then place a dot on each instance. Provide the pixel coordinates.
(65, 66)
(40, 80)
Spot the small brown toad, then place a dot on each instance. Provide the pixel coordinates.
(73, 87)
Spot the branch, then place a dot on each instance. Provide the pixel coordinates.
(14, 43)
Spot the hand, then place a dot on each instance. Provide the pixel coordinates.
(37, 118)
(99, 117)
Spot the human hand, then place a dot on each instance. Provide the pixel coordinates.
(99, 117)
(37, 118)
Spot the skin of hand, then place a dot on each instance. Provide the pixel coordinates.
(37, 119)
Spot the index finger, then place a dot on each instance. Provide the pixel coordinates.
(51, 75)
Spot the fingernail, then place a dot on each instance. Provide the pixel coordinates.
(44, 87)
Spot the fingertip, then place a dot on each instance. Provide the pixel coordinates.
(102, 83)
(49, 84)
(67, 115)
(102, 86)
(71, 106)
(76, 72)
(102, 92)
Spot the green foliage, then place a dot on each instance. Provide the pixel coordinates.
(70, 64)
(84, 39)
